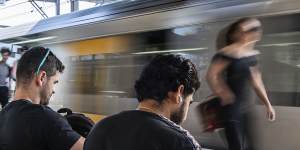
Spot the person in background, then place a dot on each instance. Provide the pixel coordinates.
(164, 90)
(233, 73)
(27, 123)
(4, 75)
(21, 50)
(12, 79)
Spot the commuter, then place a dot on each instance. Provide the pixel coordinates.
(27, 123)
(21, 50)
(164, 90)
(233, 72)
(4, 75)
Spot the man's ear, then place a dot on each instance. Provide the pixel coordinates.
(176, 96)
(41, 78)
(180, 90)
(180, 93)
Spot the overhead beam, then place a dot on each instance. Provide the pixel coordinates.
(38, 8)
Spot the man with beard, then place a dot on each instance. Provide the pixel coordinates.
(164, 90)
(27, 122)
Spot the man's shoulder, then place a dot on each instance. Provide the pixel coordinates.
(29, 110)
(149, 122)
(132, 117)
(49, 115)
(138, 126)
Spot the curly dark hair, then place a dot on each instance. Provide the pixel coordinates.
(166, 73)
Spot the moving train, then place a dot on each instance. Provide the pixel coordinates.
(105, 48)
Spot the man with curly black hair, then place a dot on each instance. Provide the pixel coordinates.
(164, 90)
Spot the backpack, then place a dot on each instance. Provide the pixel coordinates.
(79, 122)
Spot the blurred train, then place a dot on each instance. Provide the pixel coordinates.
(106, 47)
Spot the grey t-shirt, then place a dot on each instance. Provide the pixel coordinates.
(4, 73)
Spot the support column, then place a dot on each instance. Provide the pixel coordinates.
(57, 3)
(74, 5)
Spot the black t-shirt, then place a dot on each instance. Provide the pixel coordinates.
(27, 126)
(238, 74)
(238, 77)
(138, 130)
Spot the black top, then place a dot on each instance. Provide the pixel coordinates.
(27, 126)
(238, 77)
(137, 130)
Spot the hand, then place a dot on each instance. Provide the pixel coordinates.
(227, 98)
(271, 113)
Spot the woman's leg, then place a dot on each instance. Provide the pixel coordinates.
(234, 135)
(233, 128)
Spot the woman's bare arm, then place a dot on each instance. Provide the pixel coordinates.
(258, 85)
(216, 80)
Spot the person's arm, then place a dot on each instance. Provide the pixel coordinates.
(216, 80)
(79, 144)
(59, 134)
(258, 85)
(14, 70)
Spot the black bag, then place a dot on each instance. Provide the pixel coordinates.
(210, 111)
(79, 122)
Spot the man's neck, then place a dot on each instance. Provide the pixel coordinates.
(154, 107)
(23, 93)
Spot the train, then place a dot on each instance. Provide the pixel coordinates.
(106, 47)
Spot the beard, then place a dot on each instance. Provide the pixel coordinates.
(45, 95)
(178, 116)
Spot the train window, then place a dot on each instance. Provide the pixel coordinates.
(280, 59)
(74, 58)
(280, 65)
(86, 58)
(114, 74)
